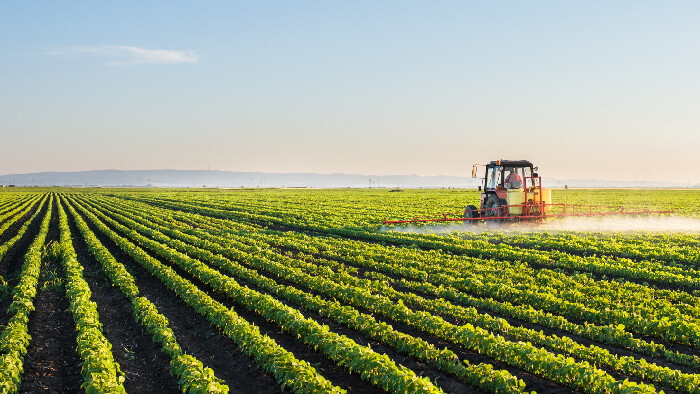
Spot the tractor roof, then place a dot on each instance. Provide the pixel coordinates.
(512, 163)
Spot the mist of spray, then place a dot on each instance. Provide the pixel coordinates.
(627, 224)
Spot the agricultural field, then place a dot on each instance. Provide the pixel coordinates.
(292, 290)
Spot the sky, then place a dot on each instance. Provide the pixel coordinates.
(586, 90)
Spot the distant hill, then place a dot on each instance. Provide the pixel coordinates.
(200, 178)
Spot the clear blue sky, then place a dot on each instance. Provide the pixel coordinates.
(606, 89)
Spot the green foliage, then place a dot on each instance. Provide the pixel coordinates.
(312, 253)
(101, 374)
(193, 376)
(288, 370)
(14, 338)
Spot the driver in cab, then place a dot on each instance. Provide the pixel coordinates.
(513, 180)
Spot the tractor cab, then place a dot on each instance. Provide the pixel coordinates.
(506, 183)
(506, 174)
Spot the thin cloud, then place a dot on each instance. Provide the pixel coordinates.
(119, 55)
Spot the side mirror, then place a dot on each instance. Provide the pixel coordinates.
(474, 171)
(535, 168)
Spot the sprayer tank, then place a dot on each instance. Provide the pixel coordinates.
(517, 197)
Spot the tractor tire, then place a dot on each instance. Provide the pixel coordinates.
(471, 212)
(495, 207)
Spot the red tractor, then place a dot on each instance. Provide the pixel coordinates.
(512, 190)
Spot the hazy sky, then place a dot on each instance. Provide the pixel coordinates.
(606, 89)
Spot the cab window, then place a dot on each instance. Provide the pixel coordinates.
(517, 177)
(493, 177)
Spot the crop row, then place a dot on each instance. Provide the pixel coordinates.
(16, 212)
(378, 369)
(101, 374)
(364, 256)
(288, 370)
(303, 218)
(193, 376)
(576, 296)
(583, 244)
(629, 365)
(554, 367)
(15, 335)
(658, 313)
(409, 263)
(7, 245)
(11, 206)
(624, 268)
(482, 375)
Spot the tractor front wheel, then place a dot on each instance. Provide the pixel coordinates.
(471, 212)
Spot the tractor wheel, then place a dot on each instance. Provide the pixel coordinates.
(471, 212)
(495, 206)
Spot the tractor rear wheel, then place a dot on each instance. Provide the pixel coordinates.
(494, 206)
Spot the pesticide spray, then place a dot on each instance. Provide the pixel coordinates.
(600, 224)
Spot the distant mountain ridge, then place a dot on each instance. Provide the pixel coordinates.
(213, 178)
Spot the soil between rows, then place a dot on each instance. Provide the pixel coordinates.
(194, 334)
(532, 381)
(312, 233)
(14, 257)
(617, 350)
(145, 367)
(51, 363)
(613, 349)
(447, 382)
(336, 374)
(441, 379)
(12, 230)
(7, 206)
(621, 352)
(14, 205)
(658, 284)
(520, 245)
(515, 322)
(11, 263)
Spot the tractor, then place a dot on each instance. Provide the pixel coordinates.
(512, 191)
